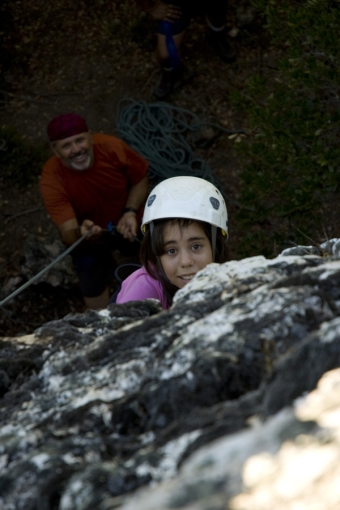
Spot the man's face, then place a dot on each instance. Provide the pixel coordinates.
(75, 152)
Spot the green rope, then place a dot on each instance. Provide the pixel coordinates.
(157, 132)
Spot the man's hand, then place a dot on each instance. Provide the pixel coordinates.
(127, 226)
(88, 227)
(70, 231)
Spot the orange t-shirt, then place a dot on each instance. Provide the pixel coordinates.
(99, 193)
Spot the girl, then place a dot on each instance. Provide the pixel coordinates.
(185, 227)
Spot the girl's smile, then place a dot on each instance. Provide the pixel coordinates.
(187, 250)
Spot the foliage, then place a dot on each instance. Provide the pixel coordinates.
(292, 162)
(20, 161)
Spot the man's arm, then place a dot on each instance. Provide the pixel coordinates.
(127, 225)
(70, 231)
(138, 193)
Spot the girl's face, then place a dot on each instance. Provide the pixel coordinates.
(186, 251)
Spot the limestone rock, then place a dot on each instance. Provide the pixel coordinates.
(97, 405)
(290, 461)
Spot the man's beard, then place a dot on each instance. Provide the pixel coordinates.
(83, 164)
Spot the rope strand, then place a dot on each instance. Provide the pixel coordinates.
(157, 132)
(37, 276)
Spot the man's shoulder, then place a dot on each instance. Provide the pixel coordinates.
(51, 165)
(106, 140)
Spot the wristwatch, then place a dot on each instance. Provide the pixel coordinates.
(130, 209)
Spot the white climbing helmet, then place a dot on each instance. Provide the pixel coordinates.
(186, 197)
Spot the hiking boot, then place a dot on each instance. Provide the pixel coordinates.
(166, 83)
(222, 46)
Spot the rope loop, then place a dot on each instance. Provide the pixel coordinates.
(157, 132)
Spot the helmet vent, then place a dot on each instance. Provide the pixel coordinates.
(215, 203)
(151, 200)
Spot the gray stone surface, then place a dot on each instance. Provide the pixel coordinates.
(38, 253)
(96, 405)
(289, 462)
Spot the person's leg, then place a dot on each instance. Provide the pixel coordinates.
(162, 53)
(94, 265)
(216, 11)
(97, 302)
(169, 73)
(168, 57)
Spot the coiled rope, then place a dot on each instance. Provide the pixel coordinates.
(158, 132)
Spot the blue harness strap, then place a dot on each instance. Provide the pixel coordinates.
(170, 44)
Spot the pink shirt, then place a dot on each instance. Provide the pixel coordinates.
(139, 286)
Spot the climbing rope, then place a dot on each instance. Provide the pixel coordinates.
(157, 132)
(111, 229)
(37, 276)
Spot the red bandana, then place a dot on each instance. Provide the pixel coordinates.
(63, 126)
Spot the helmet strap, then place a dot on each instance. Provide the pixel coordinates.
(151, 225)
(213, 241)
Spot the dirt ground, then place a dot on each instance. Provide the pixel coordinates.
(86, 59)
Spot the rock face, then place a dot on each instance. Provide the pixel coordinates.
(39, 253)
(290, 462)
(99, 404)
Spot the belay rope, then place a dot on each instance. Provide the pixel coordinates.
(37, 276)
(157, 132)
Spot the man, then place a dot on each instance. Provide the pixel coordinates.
(174, 18)
(90, 182)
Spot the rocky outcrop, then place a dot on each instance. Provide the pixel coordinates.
(290, 461)
(99, 404)
(38, 253)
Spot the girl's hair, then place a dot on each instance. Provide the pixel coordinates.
(153, 247)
